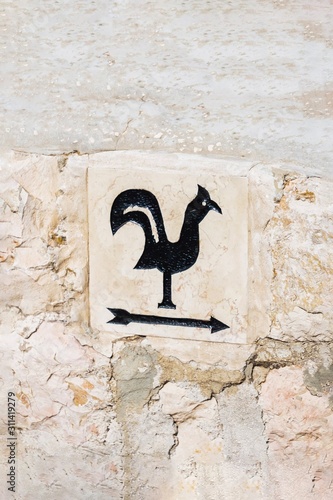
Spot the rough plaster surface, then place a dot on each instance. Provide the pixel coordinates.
(243, 78)
(145, 418)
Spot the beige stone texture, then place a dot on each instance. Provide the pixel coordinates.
(298, 426)
(144, 415)
(245, 89)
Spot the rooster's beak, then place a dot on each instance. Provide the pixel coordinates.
(214, 206)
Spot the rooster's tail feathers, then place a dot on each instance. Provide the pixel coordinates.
(134, 199)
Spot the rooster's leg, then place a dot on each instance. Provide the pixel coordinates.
(167, 302)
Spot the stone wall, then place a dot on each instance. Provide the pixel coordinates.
(246, 86)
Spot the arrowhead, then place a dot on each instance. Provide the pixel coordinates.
(121, 316)
(216, 325)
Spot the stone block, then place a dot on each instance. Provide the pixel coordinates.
(197, 222)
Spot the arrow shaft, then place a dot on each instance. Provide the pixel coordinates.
(163, 320)
(123, 317)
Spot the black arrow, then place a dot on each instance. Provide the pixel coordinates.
(123, 317)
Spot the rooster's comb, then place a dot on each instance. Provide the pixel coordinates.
(203, 192)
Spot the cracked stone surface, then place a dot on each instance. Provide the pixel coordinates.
(248, 85)
(141, 417)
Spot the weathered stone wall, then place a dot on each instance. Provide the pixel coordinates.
(144, 418)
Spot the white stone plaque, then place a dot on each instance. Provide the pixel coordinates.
(168, 252)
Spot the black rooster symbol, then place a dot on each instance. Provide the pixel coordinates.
(166, 256)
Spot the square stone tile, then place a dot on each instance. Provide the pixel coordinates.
(166, 227)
